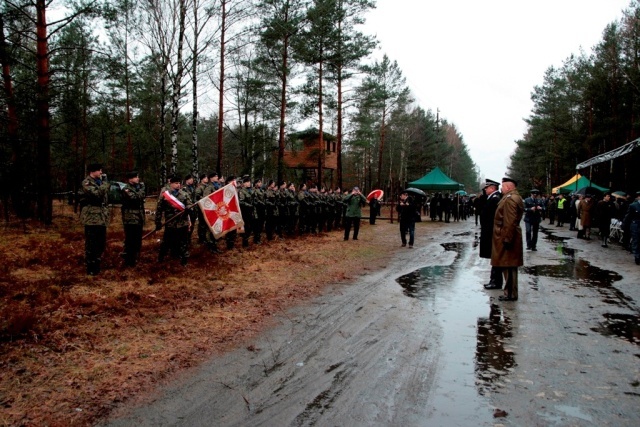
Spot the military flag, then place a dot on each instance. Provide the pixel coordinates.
(173, 200)
(221, 211)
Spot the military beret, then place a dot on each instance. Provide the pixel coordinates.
(230, 178)
(174, 178)
(94, 167)
(188, 177)
(131, 174)
(246, 178)
(505, 179)
(489, 182)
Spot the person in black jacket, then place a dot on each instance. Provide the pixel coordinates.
(407, 211)
(486, 230)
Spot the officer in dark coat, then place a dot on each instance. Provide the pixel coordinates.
(533, 211)
(133, 217)
(94, 215)
(486, 229)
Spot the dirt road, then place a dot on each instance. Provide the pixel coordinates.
(420, 342)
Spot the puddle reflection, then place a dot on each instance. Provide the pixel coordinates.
(494, 360)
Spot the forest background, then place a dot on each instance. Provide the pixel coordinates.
(186, 86)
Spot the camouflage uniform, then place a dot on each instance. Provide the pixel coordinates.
(133, 221)
(94, 215)
(176, 231)
(259, 202)
(273, 212)
(248, 213)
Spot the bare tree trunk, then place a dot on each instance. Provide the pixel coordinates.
(283, 108)
(195, 166)
(339, 132)
(381, 145)
(45, 202)
(321, 133)
(163, 126)
(129, 165)
(12, 130)
(221, 88)
(177, 83)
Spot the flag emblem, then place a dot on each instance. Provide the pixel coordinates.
(221, 211)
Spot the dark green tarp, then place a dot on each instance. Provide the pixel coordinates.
(436, 180)
(580, 183)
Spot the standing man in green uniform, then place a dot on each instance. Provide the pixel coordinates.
(354, 202)
(94, 215)
(133, 195)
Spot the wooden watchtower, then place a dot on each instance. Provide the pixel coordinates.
(304, 156)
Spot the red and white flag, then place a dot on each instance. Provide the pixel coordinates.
(221, 211)
(173, 201)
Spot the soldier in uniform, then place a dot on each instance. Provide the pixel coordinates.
(337, 194)
(230, 237)
(199, 194)
(94, 215)
(294, 209)
(247, 209)
(259, 202)
(190, 188)
(354, 201)
(305, 206)
(133, 218)
(177, 223)
(272, 211)
(283, 209)
(491, 197)
(533, 209)
(506, 247)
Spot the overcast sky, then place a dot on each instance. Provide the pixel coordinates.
(478, 61)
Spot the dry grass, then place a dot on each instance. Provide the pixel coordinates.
(72, 347)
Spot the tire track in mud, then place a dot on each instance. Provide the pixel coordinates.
(363, 354)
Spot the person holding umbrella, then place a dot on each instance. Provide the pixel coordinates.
(374, 205)
(407, 217)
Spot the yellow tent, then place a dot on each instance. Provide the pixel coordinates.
(571, 181)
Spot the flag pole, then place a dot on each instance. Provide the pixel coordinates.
(169, 220)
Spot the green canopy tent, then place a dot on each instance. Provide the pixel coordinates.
(578, 184)
(436, 180)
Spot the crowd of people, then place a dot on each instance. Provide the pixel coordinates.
(280, 209)
(501, 236)
(271, 210)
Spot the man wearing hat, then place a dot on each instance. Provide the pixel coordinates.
(506, 245)
(354, 201)
(533, 210)
(631, 225)
(94, 215)
(133, 195)
(174, 207)
(492, 198)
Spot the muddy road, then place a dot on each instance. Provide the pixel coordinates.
(422, 343)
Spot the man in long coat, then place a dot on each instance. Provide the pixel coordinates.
(488, 212)
(506, 248)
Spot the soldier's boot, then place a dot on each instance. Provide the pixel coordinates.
(184, 261)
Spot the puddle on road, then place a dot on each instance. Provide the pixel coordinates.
(578, 272)
(474, 348)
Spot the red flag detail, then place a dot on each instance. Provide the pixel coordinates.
(221, 211)
(173, 201)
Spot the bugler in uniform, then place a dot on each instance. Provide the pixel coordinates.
(94, 215)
